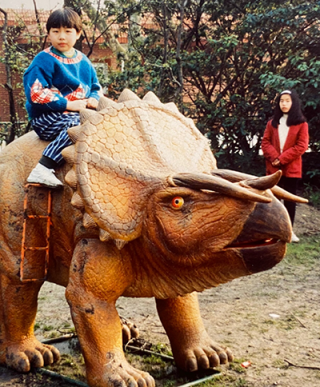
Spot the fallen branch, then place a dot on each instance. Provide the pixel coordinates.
(296, 318)
(302, 366)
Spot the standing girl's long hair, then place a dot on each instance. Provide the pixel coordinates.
(295, 115)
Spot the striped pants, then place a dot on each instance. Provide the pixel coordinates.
(53, 127)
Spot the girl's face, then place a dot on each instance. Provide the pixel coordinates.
(285, 103)
(63, 39)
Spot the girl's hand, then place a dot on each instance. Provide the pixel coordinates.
(276, 163)
(92, 103)
(77, 105)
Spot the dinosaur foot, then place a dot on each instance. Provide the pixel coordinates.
(30, 353)
(119, 373)
(129, 330)
(202, 354)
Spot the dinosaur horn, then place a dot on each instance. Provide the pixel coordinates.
(285, 195)
(214, 183)
(232, 176)
(235, 176)
(263, 183)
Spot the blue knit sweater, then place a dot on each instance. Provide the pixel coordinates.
(52, 80)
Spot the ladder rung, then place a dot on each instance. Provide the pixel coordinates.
(36, 248)
(24, 248)
(37, 216)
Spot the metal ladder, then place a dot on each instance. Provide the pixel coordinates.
(25, 248)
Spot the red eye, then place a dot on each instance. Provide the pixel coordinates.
(177, 202)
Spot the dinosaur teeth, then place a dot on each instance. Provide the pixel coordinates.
(71, 179)
(120, 243)
(74, 133)
(69, 154)
(104, 235)
(77, 201)
(128, 95)
(105, 103)
(88, 222)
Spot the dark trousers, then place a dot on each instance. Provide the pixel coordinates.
(53, 127)
(290, 184)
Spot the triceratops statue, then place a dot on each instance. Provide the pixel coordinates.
(144, 213)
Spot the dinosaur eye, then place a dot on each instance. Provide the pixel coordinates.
(177, 202)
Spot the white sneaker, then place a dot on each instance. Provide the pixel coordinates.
(45, 176)
(294, 238)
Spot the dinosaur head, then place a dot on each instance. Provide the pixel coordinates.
(209, 229)
(198, 216)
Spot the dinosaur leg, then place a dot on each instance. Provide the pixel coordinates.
(97, 278)
(191, 345)
(19, 349)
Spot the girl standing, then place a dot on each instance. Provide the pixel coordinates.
(284, 141)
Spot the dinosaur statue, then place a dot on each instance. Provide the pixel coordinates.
(144, 213)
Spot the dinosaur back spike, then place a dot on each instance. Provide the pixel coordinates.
(69, 154)
(71, 179)
(75, 132)
(85, 114)
(88, 222)
(151, 97)
(172, 106)
(128, 95)
(104, 235)
(105, 103)
(77, 201)
(120, 243)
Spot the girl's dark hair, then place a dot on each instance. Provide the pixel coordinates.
(295, 115)
(64, 17)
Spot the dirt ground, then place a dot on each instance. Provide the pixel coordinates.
(271, 319)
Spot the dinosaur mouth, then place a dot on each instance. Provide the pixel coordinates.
(260, 255)
(262, 242)
(253, 244)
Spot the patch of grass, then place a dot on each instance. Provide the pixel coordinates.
(236, 366)
(47, 328)
(306, 252)
(154, 359)
(70, 366)
(313, 194)
(161, 348)
(225, 380)
(53, 335)
(66, 360)
(279, 364)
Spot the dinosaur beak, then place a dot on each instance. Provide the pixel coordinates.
(269, 227)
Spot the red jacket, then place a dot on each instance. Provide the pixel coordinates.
(296, 144)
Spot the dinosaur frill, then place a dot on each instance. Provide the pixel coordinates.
(122, 153)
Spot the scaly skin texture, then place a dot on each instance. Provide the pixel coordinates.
(140, 215)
